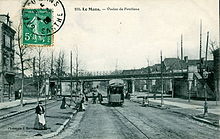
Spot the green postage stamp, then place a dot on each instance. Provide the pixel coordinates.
(40, 21)
(37, 27)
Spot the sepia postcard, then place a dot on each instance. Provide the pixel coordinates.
(110, 69)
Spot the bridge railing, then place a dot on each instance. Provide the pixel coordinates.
(99, 73)
(120, 72)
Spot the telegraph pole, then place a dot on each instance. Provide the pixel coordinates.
(161, 68)
(205, 76)
(51, 66)
(71, 78)
(206, 51)
(181, 46)
(177, 50)
(172, 83)
(200, 50)
(148, 81)
(77, 70)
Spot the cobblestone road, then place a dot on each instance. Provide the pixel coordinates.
(134, 121)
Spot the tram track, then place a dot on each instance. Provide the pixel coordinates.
(153, 125)
(132, 123)
(22, 115)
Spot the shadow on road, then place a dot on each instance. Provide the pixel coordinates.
(112, 105)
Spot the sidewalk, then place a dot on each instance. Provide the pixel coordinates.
(14, 103)
(56, 119)
(193, 109)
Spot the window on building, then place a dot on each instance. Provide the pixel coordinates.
(3, 40)
(7, 41)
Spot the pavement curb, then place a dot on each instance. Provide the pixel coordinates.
(205, 121)
(190, 116)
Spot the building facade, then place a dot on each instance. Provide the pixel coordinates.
(7, 73)
(216, 55)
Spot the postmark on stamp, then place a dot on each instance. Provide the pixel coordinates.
(41, 20)
(36, 26)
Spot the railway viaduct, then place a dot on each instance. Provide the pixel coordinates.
(129, 78)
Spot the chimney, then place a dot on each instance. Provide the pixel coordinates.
(186, 59)
(5, 19)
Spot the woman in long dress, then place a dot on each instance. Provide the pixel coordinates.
(63, 104)
(40, 122)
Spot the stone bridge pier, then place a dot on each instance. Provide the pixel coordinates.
(131, 86)
(82, 87)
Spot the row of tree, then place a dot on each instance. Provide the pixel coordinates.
(35, 62)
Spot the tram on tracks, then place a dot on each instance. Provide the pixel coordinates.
(115, 92)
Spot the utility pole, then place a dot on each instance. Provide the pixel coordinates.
(34, 78)
(71, 77)
(161, 68)
(116, 66)
(51, 68)
(172, 83)
(77, 70)
(177, 50)
(148, 81)
(200, 50)
(206, 51)
(188, 84)
(205, 77)
(217, 91)
(33, 68)
(181, 46)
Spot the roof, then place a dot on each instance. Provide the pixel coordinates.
(116, 82)
(177, 64)
(171, 64)
(174, 64)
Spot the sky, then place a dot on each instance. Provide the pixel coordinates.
(128, 38)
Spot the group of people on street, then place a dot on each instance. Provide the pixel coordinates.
(94, 97)
(40, 122)
(80, 106)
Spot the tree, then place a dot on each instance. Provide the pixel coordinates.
(60, 68)
(24, 60)
(213, 45)
(79, 68)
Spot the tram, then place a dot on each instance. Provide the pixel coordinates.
(115, 92)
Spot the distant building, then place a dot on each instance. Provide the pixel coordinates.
(193, 81)
(216, 55)
(6, 56)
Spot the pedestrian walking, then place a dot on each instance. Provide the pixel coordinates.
(93, 98)
(100, 98)
(40, 122)
(63, 104)
(144, 101)
(86, 98)
(82, 106)
(128, 96)
(154, 95)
